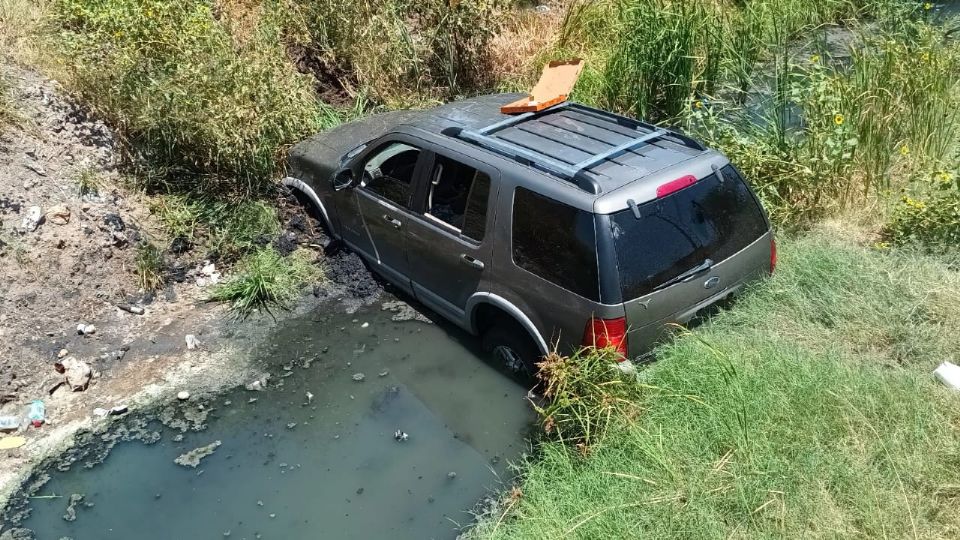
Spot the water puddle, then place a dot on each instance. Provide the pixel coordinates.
(316, 457)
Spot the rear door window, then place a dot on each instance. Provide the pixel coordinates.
(556, 242)
(713, 218)
(457, 197)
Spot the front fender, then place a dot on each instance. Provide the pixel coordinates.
(303, 187)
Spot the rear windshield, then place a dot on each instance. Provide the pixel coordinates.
(710, 219)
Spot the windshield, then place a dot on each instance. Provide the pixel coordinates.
(711, 219)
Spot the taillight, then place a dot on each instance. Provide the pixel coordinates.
(675, 185)
(773, 254)
(603, 333)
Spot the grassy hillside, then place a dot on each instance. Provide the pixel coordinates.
(808, 409)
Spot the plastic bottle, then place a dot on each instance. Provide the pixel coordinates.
(36, 413)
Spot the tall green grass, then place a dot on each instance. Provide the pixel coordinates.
(264, 280)
(807, 410)
(202, 111)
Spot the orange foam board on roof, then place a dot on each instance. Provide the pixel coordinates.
(555, 84)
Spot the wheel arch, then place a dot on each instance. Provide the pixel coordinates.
(485, 308)
(311, 194)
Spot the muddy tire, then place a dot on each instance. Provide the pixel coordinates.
(510, 346)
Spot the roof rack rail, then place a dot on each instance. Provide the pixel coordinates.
(575, 172)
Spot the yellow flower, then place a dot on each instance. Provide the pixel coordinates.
(698, 104)
(904, 150)
(118, 34)
(944, 177)
(925, 57)
(927, 6)
(815, 59)
(838, 119)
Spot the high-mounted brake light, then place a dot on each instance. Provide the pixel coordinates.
(773, 254)
(675, 185)
(603, 333)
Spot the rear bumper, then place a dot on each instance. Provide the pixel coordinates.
(641, 340)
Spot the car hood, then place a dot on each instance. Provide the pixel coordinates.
(322, 152)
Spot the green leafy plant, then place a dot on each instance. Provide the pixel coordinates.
(150, 266)
(266, 280)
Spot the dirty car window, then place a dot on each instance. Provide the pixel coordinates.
(389, 173)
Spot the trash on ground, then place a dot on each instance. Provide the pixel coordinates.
(9, 443)
(192, 341)
(949, 374)
(118, 410)
(400, 436)
(258, 384)
(136, 310)
(359, 377)
(309, 397)
(77, 373)
(100, 412)
(383, 373)
(86, 329)
(193, 457)
(36, 413)
(9, 422)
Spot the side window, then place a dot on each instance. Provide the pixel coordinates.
(556, 242)
(458, 197)
(389, 173)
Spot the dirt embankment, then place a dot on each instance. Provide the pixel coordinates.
(68, 236)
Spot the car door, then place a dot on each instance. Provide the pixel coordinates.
(388, 179)
(450, 234)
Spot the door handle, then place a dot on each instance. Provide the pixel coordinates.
(471, 262)
(395, 222)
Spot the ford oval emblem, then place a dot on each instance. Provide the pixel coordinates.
(711, 283)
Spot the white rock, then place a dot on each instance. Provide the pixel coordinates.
(77, 373)
(183, 395)
(33, 218)
(100, 412)
(86, 329)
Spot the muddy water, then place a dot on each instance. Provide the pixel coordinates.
(328, 467)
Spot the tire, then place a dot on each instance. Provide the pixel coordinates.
(511, 347)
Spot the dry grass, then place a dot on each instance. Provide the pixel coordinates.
(20, 22)
(526, 35)
(241, 16)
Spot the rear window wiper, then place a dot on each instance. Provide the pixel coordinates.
(702, 267)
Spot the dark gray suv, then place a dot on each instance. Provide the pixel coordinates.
(560, 228)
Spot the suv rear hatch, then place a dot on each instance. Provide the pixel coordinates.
(698, 242)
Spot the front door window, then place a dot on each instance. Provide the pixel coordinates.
(389, 173)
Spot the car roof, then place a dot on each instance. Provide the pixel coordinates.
(589, 151)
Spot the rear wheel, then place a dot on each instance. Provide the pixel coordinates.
(511, 347)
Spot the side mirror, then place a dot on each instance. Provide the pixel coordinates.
(342, 179)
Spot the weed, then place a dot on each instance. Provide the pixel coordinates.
(88, 183)
(265, 280)
(150, 266)
(227, 228)
(584, 393)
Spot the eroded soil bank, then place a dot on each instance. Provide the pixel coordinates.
(69, 229)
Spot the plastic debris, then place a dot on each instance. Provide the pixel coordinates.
(86, 329)
(400, 436)
(77, 373)
(9, 423)
(949, 374)
(359, 377)
(192, 342)
(309, 397)
(9, 443)
(136, 310)
(36, 413)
